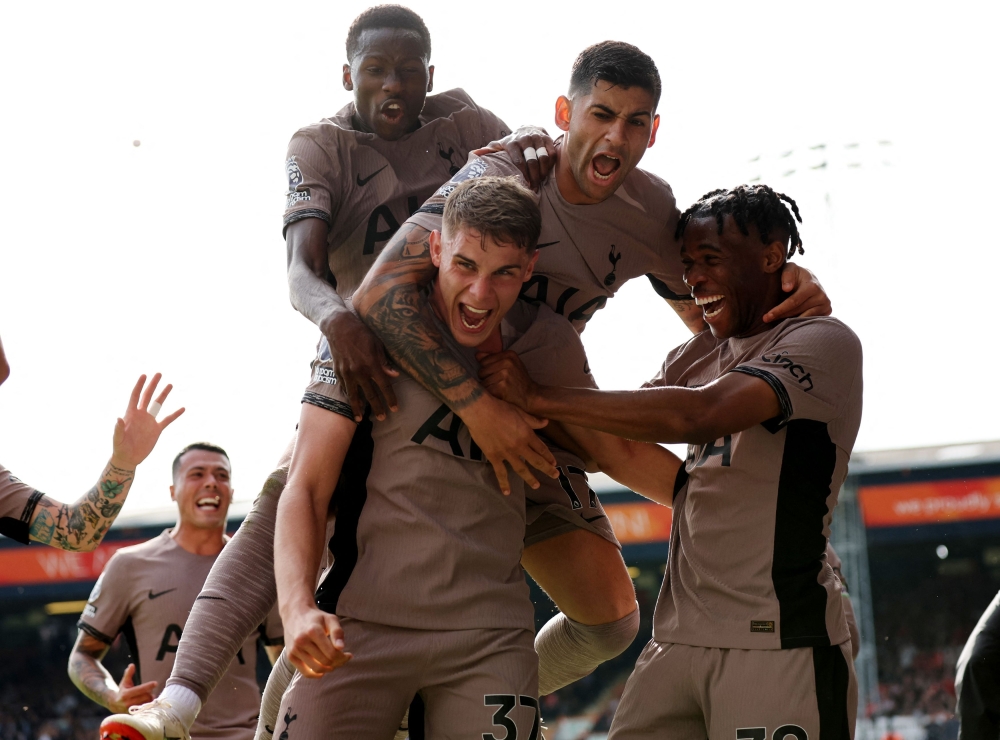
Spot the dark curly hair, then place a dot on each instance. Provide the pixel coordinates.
(387, 16)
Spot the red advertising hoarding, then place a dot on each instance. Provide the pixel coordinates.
(935, 502)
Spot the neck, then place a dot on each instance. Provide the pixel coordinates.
(772, 298)
(199, 541)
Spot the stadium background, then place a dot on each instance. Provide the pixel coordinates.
(918, 531)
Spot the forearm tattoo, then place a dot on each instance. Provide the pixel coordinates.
(82, 525)
(401, 316)
(92, 678)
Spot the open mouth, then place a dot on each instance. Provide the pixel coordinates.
(711, 305)
(605, 166)
(209, 503)
(391, 111)
(474, 319)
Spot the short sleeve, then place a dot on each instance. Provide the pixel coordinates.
(492, 165)
(108, 606)
(272, 632)
(313, 177)
(811, 367)
(17, 505)
(324, 389)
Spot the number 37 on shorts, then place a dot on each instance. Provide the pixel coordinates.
(508, 706)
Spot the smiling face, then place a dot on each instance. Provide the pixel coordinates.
(202, 489)
(390, 78)
(735, 278)
(476, 286)
(608, 131)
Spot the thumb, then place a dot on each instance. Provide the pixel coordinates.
(126, 682)
(533, 421)
(789, 277)
(335, 631)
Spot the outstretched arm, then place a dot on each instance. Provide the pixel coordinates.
(391, 302)
(732, 403)
(81, 526)
(314, 638)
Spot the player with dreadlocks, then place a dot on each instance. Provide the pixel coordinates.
(749, 635)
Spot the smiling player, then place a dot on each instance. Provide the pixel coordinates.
(146, 592)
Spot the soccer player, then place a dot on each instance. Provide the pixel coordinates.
(977, 679)
(426, 592)
(28, 515)
(352, 179)
(604, 222)
(749, 636)
(146, 592)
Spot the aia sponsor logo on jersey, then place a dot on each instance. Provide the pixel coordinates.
(296, 193)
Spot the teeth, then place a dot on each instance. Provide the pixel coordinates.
(707, 299)
(211, 501)
(480, 311)
(472, 326)
(716, 312)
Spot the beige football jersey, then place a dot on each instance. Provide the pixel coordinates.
(424, 539)
(747, 566)
(146, 592)
(587, 252)
(364, 187)
(17, 503)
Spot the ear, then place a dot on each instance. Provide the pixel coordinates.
(656, 126)
(348, 82)
(173, 494)
(436, 246)
(430, 78)
(774, 257)
(530, 269)
(564, 112)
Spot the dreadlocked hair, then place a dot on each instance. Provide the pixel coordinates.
(758, 204)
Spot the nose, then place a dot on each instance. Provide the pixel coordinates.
(615, 133)
(693, 276)
(392, 82)
(480, 288)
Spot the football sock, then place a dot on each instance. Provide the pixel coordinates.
(568, 650)
(277, 682)
(184, 702)
(235, 600)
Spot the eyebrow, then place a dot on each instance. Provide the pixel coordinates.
(608, 110)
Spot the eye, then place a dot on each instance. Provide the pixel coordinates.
(602, 116)
(640, 122)
(374, 70)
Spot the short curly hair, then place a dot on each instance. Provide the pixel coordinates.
(387, 16)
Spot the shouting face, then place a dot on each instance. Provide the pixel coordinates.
(478, 281)
(390, 78)
(608, 131)
(202, 489)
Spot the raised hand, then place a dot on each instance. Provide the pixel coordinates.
(533, 141)
(138, 430)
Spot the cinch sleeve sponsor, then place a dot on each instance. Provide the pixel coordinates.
(811, 368)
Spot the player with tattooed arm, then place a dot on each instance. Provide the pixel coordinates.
(28, 515)
(145, 593)
(426, 593)
(604, 222)
(352, 179)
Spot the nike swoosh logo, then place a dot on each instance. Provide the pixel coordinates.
(365, 181)
(547, 244)
(156, 596)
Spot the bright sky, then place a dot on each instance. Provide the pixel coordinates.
(118, 260)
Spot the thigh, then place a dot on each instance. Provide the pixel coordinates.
(365, 699)
(485, 686)
(565, 504)
(659, 700)
(798, 694)
(584, 574)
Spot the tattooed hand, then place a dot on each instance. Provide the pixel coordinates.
(81, 526)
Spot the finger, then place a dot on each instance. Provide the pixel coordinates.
(533, 421)
(143, 688)
(374, 399)
(170, 419)
(133, 401)
(500, 470)
(788, 307)
(317, 651)
(148, 393)
(126, 681)
(304, 667)
(542, 459)
(357, 400)
(163, 396)
(335, 632)
(530, 166)
(385, 387)
(524, 472)
(818, 311)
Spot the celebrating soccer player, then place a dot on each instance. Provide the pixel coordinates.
(426, 593)
(146, 592)
(750, 638)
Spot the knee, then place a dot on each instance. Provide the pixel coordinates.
(611, 639)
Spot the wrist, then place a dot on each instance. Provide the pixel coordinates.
(331, 321)
(121, 466)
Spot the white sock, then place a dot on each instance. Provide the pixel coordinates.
(183, 701)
